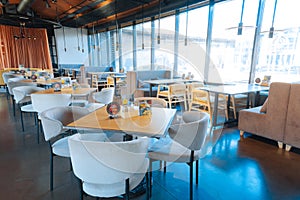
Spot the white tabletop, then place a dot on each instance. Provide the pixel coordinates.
(234, 88)
(168, 81)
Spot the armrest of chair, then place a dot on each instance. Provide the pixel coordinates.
(253, 121)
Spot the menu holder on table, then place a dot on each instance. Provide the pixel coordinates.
(56, 86)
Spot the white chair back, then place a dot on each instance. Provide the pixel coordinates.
(193, 131)
(54, 119)
(42, 102)
(105, 96)
(15, 79)
(108, 164)
(7, 75)
(23, 92)
(12, 84)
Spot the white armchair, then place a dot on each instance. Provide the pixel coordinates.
(102, 98)
(108, 169)
(184, 143)
(23, 99)
(53, 121)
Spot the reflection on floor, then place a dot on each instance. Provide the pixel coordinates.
(249, 168)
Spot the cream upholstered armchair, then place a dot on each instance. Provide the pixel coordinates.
(106, 168)
(183, 144)
(53, 122)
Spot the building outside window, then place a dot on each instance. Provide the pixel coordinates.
(231, 53)
(278, 55)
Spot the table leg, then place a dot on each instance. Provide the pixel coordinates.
(215, 113)
(115, 85)
(150, 90)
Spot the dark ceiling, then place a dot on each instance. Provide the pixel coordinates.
(96, 14)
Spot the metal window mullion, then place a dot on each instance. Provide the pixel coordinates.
(134, 48)
(120, 49)
(108, 47)
(112, 50)
(208, 39)
(89, 49)
(152, 43)
(176, 42)
(256, 42)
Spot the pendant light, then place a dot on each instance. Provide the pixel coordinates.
(159, 15)
(187, 22)
(82, 44)
(117, 27)
(64, 36)
(271, 32)
(143, 44)
(77, 35)
(94, 39)
(240, 26)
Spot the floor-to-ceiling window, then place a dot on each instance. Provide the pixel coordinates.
(192, 42)
(127, 48)
(231, 50)
(278, 54)
(164, 49)
(143, 46)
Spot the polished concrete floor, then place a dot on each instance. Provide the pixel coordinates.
(235, 168)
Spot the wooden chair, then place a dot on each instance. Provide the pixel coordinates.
(173, 93)
(155, 102)
(202, 101)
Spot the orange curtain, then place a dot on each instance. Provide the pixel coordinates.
(32, 53)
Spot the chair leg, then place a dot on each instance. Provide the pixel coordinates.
(150, 177)
(191, 174)
(51, 169)
(7, 93)
(197, 172)
(22, 122)
(14, 106)
(126, 196)
(165, 166)
(81, 189)
(38, 131)
(147, 186)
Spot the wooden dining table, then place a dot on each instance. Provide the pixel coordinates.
(68, 90)
(153, 125)
(42, 82)
(153, 83)
(75, 93)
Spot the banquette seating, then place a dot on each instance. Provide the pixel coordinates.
(138, 87)
(278, 118)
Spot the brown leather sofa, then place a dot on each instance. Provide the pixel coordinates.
(278, 118)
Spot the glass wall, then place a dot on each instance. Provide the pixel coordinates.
(127, 48)
(143, 46)
(231, 51)
(164, 51)
(192, 42)
(278, 55)
(183, 43)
